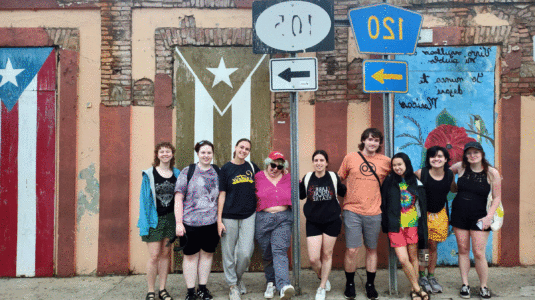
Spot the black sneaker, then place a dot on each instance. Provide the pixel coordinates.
(465, 292)
(204, 295)
(371, 293)
(484, 293)
(191, 297)
(350, 291)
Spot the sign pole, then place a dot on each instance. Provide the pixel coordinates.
(294, 170)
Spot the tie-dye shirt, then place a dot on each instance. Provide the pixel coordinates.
(409, 216)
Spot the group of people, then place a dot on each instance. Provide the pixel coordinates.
(234, 205)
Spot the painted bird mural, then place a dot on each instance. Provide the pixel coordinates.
(479, 127)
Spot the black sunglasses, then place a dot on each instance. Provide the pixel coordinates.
(274, 165)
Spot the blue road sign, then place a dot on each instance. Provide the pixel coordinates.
(385, 76)
(385, 29)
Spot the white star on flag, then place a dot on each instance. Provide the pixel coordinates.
(9, 74)
(222, 73)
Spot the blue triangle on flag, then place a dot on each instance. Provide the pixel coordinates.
(18, 67)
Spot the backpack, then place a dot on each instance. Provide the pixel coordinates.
(333, 178)
(191, 170)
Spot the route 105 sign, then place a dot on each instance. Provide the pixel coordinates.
(293, 26)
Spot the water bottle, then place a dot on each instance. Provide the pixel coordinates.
(423, 257)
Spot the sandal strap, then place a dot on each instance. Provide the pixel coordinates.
(165, 295)
(150, 296)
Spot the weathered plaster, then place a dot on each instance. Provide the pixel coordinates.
(527, 188)
(352, 49)
(432, 21)
(88, 197)
(142, 155)
(488, 19)
(358, 119)
(145, 22)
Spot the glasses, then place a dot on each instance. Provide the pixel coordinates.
(273, 166)
(201, 143)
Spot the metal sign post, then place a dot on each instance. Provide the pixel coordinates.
(386, 29)
(281, 26)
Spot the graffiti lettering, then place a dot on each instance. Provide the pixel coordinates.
(476, 79)
(431, 103)
(449, 80)
(451, 92)
(423, 79)
(444, 60)
(481, 52)
(441, 51)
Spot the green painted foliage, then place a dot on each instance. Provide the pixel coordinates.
(445, 118)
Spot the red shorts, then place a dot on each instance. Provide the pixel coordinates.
(405, 236)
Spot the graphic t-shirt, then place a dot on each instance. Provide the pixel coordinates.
(321, 202)
(200, 201)
(363, 191)
(409, 216)
(165, 193)
(238, 182)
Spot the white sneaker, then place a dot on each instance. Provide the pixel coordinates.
(241, 287)
(270, 291)
(287, 292)
(328, 286)
(320, 293)
(234, 294)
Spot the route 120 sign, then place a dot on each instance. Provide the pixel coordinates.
(293, 26)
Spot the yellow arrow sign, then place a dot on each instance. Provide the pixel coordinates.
(381, 76)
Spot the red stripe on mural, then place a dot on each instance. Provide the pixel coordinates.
(45, 173)
(9, 190)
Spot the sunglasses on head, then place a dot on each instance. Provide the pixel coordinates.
(274, 165)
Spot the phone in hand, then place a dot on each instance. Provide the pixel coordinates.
(480, 224)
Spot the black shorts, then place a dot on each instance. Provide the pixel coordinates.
(202, 237)
(331, 229)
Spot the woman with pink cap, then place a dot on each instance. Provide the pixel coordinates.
(274, 220)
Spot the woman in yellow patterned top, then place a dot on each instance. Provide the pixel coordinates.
(404, 218)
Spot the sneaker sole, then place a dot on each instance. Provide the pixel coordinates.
(288, 293)
(350, 297)
(465, 297)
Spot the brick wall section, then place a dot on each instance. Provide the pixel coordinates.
(144, 92)
(179, 3)
(65, 38)
(116, 52)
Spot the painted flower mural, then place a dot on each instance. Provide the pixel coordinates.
(450, 137)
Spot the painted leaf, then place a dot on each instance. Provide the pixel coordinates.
(445, 118)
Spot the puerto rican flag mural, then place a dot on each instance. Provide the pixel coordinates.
(27, 161)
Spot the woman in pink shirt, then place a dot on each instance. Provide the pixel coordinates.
(274, 220)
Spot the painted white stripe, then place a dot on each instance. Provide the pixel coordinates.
(27, 198)
(204, 115)
(241, 114)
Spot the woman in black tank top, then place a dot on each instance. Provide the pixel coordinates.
(438, 180)
(469, 216)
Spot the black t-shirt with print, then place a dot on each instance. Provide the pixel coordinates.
(165, 193)
(238, 182)
(322, 204)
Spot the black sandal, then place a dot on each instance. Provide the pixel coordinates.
(423, 294)
(150, 296)
(164, 295)
(415, 295)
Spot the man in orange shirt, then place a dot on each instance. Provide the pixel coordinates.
(362, 207)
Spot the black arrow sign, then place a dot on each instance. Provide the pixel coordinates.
(288, 74)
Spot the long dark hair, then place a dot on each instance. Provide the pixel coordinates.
(157, 148)
(432, 152)
(374, 132)
(410, 178)
(239, 141)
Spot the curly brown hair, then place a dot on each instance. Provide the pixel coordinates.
(157, 148)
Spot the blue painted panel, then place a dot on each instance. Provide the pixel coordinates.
(450, 102)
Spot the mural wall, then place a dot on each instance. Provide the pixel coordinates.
(450, 102)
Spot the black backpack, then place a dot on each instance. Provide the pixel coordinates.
(191, 170)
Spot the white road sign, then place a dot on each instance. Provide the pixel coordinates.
(293, 74)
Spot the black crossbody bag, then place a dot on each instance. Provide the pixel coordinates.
(369, 166)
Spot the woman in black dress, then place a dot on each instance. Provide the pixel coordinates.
(469, 216)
